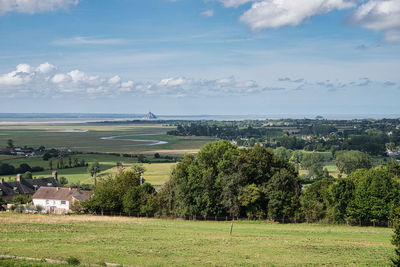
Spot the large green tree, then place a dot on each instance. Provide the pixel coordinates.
(375, 196)
(225, 180)
(342, 194)
(315, 201)
(313, 162)
(349, 161)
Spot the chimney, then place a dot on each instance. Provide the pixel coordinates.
(19, 177)
(55, 175)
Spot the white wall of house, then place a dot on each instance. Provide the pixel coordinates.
(48, 203)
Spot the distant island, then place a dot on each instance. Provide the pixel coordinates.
(150, 116)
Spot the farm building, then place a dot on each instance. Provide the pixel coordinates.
(25, 186)
(57, 199)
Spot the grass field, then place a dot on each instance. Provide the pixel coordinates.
(155, 242)
(26, 263)
(155, 173)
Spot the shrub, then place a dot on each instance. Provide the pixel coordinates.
(73, 261)
(22, 199)
(39, 208)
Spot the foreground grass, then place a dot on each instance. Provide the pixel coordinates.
(25, 263)
(149, 242)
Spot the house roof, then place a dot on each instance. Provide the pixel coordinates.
(59, 193)
(82, 195)
(26, 186)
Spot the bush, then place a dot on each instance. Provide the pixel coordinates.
(22, 199)
(27, 175)
(39, 208)
(63, 180)
(37, 169)
(73, 261)
(18, 208)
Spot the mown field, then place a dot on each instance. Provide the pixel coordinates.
(155, 173)
(162, 242)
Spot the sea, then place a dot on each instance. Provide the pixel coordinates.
(62, 118)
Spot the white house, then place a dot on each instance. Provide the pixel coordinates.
(57, 199)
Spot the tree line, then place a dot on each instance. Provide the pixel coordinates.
(372, 138)
(223, 180)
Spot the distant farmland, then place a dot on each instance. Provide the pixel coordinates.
(126, 138)
(151, 242)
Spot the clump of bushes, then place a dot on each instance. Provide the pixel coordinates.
(73, 261)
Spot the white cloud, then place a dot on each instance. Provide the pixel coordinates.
(84, 40)
(21, 75)
(382, 15)
(114, 80)
(77, 76)
(59, 78)
(45, 68)
(234, 3)
(34, 6)
(44, 81)
(378, 15)
(208, 13)
(279, 13)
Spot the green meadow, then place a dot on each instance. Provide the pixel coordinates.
(163, 242)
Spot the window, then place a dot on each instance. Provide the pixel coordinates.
(63, 202)
(47, 202)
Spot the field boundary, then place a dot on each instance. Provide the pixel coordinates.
(58, 261)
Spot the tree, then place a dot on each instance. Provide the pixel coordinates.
(283, 192)
(283, 153)
(349, 161)
(50, 164)
(141, 158)
(315, 200)
(27, 175)
(22, 199)
(6, 169)
(375, 196)
(313, 163)
(342, 194)
(249, 199)
(225, 180)
(10, 143)
(77, 207)
(121, 192)
(24, 167)
(94, 169)
(46, 156)
(63, 180)
(396, 237)
(296, 158)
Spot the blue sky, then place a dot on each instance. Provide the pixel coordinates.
(200, 56)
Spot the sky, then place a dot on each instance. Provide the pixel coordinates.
(192, 57)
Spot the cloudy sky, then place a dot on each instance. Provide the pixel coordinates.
(200, 56)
